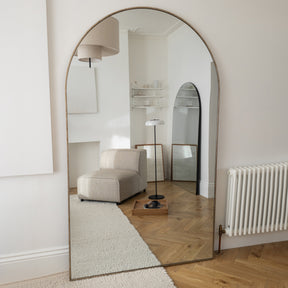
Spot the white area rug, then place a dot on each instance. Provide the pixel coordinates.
(104, 241)
(152, 278)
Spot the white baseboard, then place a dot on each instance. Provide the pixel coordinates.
(33, 264)
(249, 240)
(207, 190)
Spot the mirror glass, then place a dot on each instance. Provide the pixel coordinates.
(151, 161)
(184, 162)
(186, 138)
(81, 92)
(149, 77)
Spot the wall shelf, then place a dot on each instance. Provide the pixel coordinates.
(142, 98)
(187, 106)
(87, 140)
(133, 88)
(147, 106)
(147, 96)
(187, 97)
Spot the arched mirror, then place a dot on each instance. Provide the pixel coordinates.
(126, 70)
(186, 139)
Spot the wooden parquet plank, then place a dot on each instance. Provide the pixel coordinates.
(185, 234)
(261, 266)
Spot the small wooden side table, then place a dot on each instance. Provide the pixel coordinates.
(140, 210)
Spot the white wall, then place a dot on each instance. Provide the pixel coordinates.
(81, 88)
(147, 62)
(33, 209)
(148, 59)
(84, 157)
(111, 124)
(213, 129)
(250, 50)
(190, 63)
(109, 127)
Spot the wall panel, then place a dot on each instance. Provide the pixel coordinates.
(25, 119)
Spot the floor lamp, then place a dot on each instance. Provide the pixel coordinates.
(155, 122)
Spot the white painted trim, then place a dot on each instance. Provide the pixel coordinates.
(33, 264)
(249, 240)
(207, 189)
(34, 254)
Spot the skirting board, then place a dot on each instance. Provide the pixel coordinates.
(207, 189)
(33, 264)
(249, 240)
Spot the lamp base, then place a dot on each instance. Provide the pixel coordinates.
(153, 205)
(156, 197)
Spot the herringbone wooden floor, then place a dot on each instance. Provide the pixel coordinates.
(262, 266)
(188, 186)
(184, 234)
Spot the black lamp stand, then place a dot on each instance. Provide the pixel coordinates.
(156, 196)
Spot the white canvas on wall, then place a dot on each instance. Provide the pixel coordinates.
(25, 116)
(81, 90)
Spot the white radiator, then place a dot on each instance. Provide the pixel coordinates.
(257, 199)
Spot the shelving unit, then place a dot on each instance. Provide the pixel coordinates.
(187, 106)
(142, 98)
(188, 98)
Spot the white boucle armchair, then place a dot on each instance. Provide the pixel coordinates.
(122, 174)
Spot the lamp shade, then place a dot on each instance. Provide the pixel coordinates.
(89, 51)
(154, 122)
(101, 41)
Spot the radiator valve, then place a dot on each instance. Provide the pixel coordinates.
(221, 231)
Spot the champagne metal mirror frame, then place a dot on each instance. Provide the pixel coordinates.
(66, 113)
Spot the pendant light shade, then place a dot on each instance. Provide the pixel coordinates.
(89, 51)
(101, 41)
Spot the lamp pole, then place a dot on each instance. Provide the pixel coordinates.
(155, 161)
(156, 196)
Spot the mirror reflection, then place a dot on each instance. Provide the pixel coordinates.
(135, 64)
(151, 161)
(186, 157)
(184, 162)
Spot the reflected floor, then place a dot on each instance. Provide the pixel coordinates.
(188, 186)
(103, 241)
(185, 234)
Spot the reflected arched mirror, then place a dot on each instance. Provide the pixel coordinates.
(186, 138)
(133, 66)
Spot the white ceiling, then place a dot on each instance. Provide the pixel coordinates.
(147, 22)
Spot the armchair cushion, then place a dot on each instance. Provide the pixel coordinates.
(123, 173)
